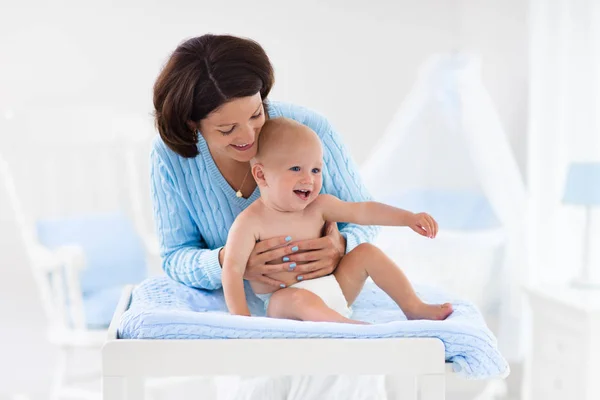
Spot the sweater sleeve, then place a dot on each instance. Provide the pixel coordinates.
(341, 178)
(185, 257)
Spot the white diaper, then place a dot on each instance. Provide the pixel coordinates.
(326, 287)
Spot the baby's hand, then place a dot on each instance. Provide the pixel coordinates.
(423, 224)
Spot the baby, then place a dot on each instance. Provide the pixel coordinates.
(287, 169)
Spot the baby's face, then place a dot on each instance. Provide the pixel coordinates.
(294, 178)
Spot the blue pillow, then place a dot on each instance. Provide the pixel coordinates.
(113, 250)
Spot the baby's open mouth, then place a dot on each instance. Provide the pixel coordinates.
(303, 194)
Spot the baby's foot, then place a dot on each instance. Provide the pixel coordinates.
(429, 311)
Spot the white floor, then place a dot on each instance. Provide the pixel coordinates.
(26, 359)
(201, 389)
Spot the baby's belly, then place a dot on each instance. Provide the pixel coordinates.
(289, 278)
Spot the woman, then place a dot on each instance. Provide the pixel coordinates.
(210, 102)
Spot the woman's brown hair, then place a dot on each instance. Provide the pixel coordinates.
(202, 74)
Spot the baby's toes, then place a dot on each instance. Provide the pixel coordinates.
(445, 311)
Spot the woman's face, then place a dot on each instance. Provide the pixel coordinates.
(232, 130)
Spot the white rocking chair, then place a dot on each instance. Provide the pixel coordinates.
(69, 171)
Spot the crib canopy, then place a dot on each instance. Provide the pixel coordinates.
(445, 151)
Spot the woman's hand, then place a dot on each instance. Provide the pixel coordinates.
(265, 251)
(321, 255)
(423, 224)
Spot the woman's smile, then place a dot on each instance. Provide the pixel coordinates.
(243, 146)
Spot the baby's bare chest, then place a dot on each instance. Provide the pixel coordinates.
(299, 227)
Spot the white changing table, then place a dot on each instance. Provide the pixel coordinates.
(418, 363)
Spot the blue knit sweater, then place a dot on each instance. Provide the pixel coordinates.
(194, 206)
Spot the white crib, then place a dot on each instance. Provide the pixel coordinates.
(417, 364)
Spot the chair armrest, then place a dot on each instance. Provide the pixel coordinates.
(70, 257)
(73, 256)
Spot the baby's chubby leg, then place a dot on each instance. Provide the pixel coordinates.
(368, 260)
(300, 304)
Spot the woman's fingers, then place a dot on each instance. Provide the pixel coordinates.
(266, 245)
(315, 274)
(269, 281)
(284, 267)
(277, 254)
(309, 267)
(308, 256)
(314, 244)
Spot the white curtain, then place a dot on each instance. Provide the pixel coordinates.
(564, 126)
(446, 138)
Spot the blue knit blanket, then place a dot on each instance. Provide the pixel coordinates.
(164, 309)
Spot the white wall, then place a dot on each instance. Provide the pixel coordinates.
(353, 61)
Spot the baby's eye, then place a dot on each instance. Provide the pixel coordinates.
(316, 170)
(295, 169)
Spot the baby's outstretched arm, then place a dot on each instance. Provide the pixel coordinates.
(375, 213)
(240, 243)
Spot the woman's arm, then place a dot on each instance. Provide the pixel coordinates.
(185, 257)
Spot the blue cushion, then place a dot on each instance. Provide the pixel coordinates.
(164, 309)
(114, 256)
